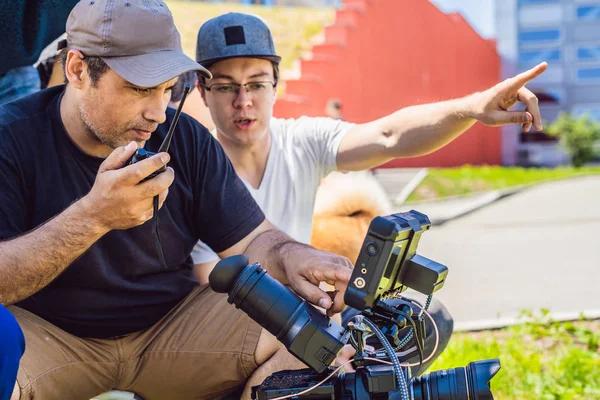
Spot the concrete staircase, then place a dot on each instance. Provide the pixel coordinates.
(382, 55)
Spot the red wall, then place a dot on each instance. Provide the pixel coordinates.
(382, 55)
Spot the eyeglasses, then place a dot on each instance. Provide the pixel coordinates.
(256, 89)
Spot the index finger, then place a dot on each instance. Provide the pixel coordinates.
(338, 305)
(335, 275)
(521, 79)
(338, 276)
(135, 173)
(118, 157)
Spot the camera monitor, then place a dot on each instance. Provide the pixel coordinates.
(388, 262)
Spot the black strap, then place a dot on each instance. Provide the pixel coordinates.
(157, 234)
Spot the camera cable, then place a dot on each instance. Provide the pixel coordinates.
(407, 338)
(159, 249)
(400, 378)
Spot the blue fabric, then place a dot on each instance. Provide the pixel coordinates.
(27, 27)
(12, 347)
(118, 286)
(17, 83)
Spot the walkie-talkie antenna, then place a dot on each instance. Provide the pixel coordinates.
(165, 144)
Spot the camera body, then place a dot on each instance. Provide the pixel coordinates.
(387, 265)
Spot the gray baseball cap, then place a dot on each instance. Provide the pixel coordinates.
(136, 38)
(234, 35)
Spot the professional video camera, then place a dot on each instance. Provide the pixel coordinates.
(386, 266)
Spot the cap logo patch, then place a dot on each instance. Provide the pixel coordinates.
(234, 35)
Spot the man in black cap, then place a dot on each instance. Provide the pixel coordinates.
(79, 258)
(282, 162)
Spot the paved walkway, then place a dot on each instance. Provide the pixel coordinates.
(538, 248)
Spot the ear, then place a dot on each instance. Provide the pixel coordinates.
(75, 68)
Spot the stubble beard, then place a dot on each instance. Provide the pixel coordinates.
(110, 139)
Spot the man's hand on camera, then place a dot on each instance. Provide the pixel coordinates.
(118, 200)
(491, 107)
(305, 267)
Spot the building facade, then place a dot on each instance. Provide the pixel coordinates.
(566, 34)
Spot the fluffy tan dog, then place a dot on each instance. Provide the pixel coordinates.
(344, 208)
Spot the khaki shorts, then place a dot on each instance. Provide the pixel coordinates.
(203, 349)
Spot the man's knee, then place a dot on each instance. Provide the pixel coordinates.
(272, 354)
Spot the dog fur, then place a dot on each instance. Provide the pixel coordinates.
(344, 207)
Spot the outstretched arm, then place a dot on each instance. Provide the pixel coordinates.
(419, 130)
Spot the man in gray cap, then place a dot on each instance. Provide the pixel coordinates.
(79, 259)
(282, 162)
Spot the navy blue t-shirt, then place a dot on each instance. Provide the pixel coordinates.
(27, 27)
(118, 285)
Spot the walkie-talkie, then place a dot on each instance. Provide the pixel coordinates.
(141, 154)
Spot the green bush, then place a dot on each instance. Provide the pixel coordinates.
(578, 136)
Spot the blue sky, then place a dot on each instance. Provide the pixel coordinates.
(479, 13)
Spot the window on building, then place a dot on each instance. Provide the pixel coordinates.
(537, 56)
(590, 12)
(554, 76)
(550, 96)
(588, 53)
(544, 35)
(588, 74)
(542, 15)
(528, 2)
(555, 96)
(536, 137)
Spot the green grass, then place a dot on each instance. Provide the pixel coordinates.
(445, 182)
(540, 360)
(293, 28)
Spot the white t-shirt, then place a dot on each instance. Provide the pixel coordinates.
(303, 151)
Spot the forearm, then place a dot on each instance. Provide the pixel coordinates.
(272, 250)
(422, 129)
(30, 262)
(410, 132)
(300, 266)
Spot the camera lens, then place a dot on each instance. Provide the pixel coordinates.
(263, 298)
(305, 331)
(471, 382)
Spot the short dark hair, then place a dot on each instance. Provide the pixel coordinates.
(202, 79)
(95, 65)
